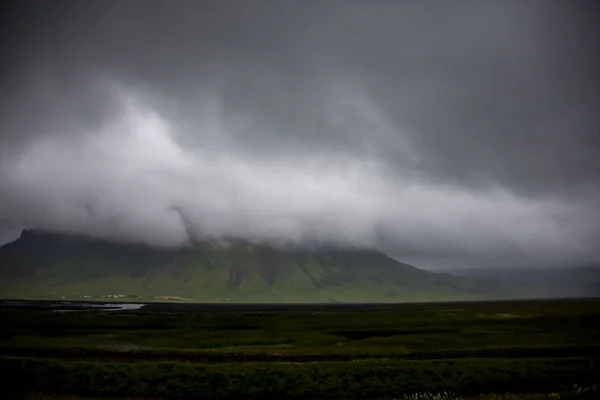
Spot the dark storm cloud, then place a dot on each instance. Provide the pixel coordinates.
(445, 129)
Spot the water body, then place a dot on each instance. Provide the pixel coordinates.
(155, 307)
(65, 306)
(108, 307)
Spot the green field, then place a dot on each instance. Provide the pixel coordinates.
(525, 348)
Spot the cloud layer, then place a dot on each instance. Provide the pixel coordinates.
(423, 131)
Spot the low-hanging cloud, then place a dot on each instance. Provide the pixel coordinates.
(127, 180)
(211, 132)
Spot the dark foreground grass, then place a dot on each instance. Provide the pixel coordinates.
(204, 356)
(386, 352)
(568, 393)
(345, 380)
(389, 329)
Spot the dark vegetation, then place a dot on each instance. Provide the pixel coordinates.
(385, 352)
(363, 379)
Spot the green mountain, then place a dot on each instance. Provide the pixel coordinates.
(56, 266)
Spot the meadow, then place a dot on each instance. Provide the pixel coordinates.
(523, 349)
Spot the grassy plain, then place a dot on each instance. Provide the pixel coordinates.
(530, 348)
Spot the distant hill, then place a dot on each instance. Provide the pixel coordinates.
(56, 266)
(569, 281)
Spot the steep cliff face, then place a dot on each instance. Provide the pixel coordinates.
(47, 265)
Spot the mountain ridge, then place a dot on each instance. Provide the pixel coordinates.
(52, 265)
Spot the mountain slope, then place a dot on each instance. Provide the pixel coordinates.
(46, 265)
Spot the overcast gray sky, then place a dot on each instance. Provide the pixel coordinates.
(447, 133)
